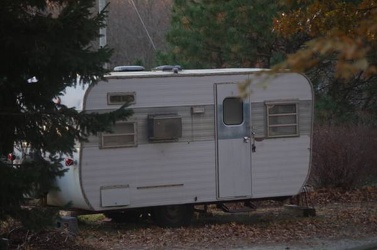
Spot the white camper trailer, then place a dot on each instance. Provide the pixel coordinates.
(191, 140)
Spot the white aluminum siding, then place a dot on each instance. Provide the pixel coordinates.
(157, 174)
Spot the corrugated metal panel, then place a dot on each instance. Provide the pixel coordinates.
(195, 127)
(306, 117)
(258, 118)
(184, 172)
(201, 126)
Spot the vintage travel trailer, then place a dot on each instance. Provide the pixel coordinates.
(191, 140)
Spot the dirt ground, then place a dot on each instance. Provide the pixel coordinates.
(344, 220)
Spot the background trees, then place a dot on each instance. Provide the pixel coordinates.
(51, 43)
(45, 47)
(215, 34)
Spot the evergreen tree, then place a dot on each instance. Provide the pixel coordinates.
(227, 33)
(46, 46)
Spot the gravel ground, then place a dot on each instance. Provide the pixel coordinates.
(336, 226)
(344, 220)
(369, 243)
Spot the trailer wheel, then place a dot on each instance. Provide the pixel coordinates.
(128, 216)
(173, 215)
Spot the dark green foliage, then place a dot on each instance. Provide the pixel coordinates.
(30, 180)
(225, 33)
(339, 101)
(53, 42)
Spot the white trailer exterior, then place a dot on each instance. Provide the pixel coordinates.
(192, 141)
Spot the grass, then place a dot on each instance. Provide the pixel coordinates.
(91, 218)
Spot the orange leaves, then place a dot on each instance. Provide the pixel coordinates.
(318, 19)
(185, 22)
(221, 17)
(342, 32)
(350, 54)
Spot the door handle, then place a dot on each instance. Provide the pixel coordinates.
(246, 139)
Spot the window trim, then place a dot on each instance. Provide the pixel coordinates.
(269, 105)
(134, 134)
(111, 94)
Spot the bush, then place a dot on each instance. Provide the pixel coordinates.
(343, 156)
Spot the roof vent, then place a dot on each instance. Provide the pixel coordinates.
(128, 68)
(174, 68)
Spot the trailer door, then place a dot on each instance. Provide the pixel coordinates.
(233, 142)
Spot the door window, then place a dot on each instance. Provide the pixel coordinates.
(232, 111)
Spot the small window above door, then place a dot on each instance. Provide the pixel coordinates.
(233, 111)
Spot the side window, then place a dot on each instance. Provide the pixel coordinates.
(282, 119)
(124, 135)
(121, 98)
(232, 111)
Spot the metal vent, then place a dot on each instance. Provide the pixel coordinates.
(164, 127)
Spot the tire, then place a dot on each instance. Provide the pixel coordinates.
(173, 215)
(127, 216)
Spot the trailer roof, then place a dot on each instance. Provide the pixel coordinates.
(188, 72)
